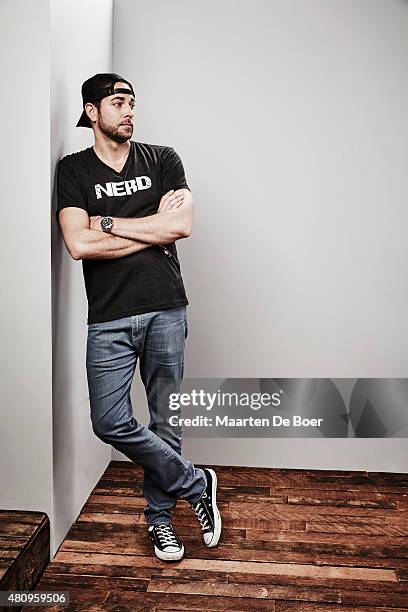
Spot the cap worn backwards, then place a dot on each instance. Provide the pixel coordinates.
(100, 86)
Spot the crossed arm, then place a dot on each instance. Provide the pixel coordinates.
(84, 238)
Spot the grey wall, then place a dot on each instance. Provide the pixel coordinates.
(25, 247)
(81, 45)
(290, 116)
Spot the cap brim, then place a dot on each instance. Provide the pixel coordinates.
(83, 121)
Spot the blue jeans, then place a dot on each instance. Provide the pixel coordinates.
(113, 348)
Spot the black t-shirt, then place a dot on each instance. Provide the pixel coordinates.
(140, 282)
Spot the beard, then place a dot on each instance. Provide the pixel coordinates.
(114, 133)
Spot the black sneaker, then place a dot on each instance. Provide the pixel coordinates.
(167, 544)
(207, 511)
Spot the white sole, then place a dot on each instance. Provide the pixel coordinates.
(168, 556)
(217, 515)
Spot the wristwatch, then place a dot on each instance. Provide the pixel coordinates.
(106, 224)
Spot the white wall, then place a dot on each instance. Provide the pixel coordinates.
(25, 247)
(290, 116)
(81, 45)
(50, 459)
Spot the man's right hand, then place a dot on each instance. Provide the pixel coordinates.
(170, 200)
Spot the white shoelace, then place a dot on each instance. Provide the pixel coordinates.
(166, 535)
(201, 514)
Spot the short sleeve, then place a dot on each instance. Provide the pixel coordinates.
(69, 192)
(172, 172)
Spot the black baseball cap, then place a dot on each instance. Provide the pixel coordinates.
(100, 86)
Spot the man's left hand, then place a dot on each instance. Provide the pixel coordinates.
(95, 223)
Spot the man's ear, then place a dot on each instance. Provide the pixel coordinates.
(91, 111)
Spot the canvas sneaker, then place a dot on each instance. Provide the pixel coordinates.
(207, 512)
(167, 544)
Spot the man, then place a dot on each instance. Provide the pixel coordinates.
(122, 205)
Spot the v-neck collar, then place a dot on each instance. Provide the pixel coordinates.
(125, 165)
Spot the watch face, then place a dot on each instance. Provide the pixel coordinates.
(106, 223)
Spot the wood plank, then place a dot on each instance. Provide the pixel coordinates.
(268, 509)
(273, 477)
(22, 516)
(357, 528)
(107, 517)
(402, 574)
(315, 580)
(297, 606)
(263, 567)
(124, 500)
(342, 498)
(267, 551)
(11, 543)
(107, 488)
(99, 600)
(362, 539)
(275, 524)
(17, 529)
(52, 581)
(240, 591)
(5, 555)
(162, 571)
(373, 598)
(115, 508)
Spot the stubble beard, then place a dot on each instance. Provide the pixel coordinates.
(113, 133)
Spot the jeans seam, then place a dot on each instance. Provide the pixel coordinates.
(139, 321)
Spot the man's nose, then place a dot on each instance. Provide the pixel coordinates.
(129, 112)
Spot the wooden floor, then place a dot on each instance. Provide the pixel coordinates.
(292, 540)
